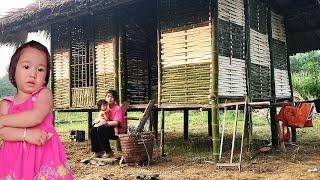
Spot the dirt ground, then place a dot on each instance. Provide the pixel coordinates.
(298, 162)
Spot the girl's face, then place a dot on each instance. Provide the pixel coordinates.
(110, 99)
(104, 107)
(31, 70)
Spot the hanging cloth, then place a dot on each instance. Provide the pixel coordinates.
(298, 116)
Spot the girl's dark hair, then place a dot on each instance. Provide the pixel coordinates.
(114, 94)
(101, 102)
(15, 58)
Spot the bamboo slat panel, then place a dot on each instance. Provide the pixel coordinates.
(231, 40)
(279, 52)
(139, 53)
(186, 47)
(282, 83)
(259, 48)
(177, 13)
(188, 83)
(83, 97)
(258, 15)
(232, 11)
(105, 68)
(185, 51)
(61, 78)
(260, 82)
(277, 25)
(232, 77)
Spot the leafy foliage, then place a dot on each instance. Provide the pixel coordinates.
(305, 69)
(6, 88)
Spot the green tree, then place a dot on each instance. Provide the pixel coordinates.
(305, 69)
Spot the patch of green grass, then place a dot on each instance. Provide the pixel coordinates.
(199, 143)
(70, 116)
(67, 127)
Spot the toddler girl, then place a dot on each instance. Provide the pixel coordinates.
(31, 108)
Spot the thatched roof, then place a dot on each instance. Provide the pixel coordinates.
(15, 26)
(302, 19)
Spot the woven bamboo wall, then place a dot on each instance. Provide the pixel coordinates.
(104, 51)
(140, 62)
(61, 78)
(83, 97)
(61, 69)
(260, 71)
(135, 56)
(231, 39)
(82, 63)
(279, 50)
(186, 61)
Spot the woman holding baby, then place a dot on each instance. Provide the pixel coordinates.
(108, 119)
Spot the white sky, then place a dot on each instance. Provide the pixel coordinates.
(5, 51)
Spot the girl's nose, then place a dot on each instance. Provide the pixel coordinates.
(33, 73)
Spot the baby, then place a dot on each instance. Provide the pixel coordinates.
(103, 115)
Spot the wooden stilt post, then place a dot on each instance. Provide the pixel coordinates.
(151, 119)
(294, 135)
(185, 124)
(209, 122)
(162, 134)
(155, 122)
(274, 128)
(89, 123)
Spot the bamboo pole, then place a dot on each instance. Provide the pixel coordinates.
(116, 50)
(120, 61)
(214, 88)
(70, 75)
(94, 78)
(248, 120)
(273, 109)
(159, 55)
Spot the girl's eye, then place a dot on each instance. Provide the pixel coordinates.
(40, 69)
(25, 66)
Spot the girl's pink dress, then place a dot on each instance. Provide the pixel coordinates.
(19, 160)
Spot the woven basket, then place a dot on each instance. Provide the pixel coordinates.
(135, 147)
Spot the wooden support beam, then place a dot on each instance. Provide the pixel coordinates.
(162, 133)
(150, 120)
(89, 123)
(209, 122)
(274, 128)
(185, 124)
(155, 123)
(294, 135)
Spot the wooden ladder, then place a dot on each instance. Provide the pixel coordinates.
(231, 163)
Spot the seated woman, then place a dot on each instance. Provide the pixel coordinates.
(101, 135)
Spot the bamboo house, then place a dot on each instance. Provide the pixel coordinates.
(185, 54)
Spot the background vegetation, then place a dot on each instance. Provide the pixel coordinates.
(305, 70)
